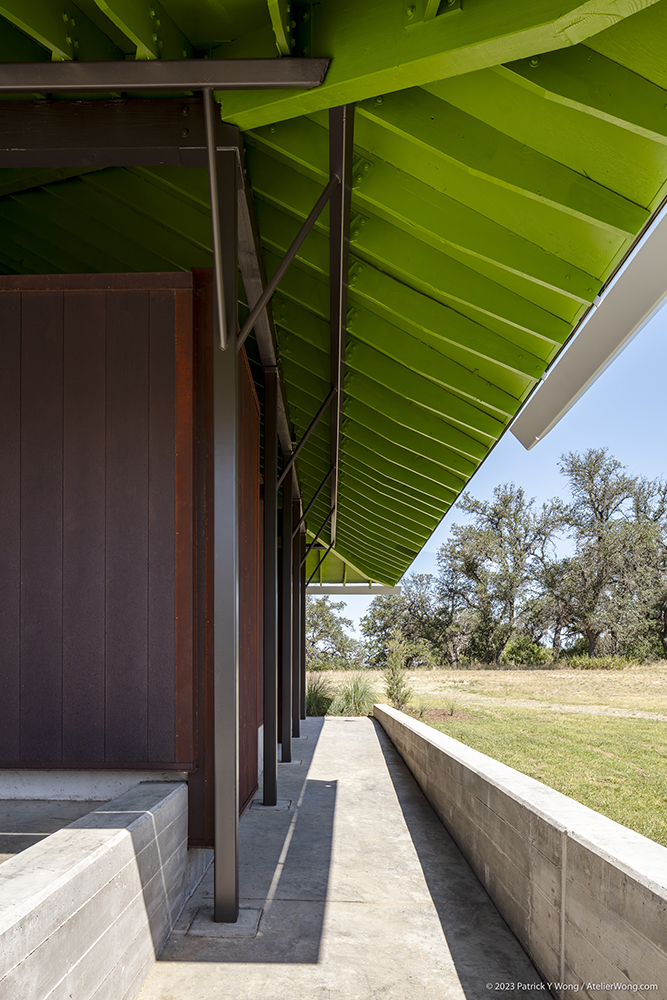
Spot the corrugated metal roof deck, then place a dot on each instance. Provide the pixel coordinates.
(488, 210)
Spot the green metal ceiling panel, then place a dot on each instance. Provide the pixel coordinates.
(506, 157)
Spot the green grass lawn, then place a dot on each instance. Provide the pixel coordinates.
(617, 766)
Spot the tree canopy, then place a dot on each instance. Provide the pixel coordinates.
(525, 583)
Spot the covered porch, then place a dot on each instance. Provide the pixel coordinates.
(351, 887)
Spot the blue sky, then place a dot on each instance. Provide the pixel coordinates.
(625, 410)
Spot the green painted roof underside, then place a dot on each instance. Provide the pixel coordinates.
(506, 157)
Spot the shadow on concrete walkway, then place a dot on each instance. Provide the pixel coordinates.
(362, 892)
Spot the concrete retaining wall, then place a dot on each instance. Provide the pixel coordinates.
(585, 896)
(85, 912)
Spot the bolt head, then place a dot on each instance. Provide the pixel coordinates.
(185, 111)
(360, 177)
(535, 61)
(379, 100)
(65, 17)
(410, 11)
(185, 132)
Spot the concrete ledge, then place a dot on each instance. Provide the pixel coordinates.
(72, 786)
(85, 912)
(585, 896)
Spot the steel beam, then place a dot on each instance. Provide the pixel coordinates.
(270, 587)
(286, 623)
(226, 572)
(341, 134)
(118, 76)
(296, 625)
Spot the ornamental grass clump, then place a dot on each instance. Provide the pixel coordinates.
(319, 695)
(397, 688)
(356, 697)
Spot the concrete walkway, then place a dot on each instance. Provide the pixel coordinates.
(362, 893)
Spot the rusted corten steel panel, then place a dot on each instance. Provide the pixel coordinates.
(251, 573)
(97, 569)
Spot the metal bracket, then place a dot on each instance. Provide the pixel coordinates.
(421, 12)
(352, 315)
(356, 267)
(302, 26)
(357, 222)
(361, 167)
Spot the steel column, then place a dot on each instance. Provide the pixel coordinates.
(286, 622)
(296, 625)
(270, 586)
(226, 570)
(341, 130)
(302, 649)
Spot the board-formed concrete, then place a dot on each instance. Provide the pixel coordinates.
(362, 891)
(586, 896)
(84, 912)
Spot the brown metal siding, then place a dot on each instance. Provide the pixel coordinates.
(10, 522)
(96, 585)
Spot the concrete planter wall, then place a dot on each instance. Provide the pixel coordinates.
(585, 896)
(85, 912)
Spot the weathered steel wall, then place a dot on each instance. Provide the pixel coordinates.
(106, 561)
(96, 575)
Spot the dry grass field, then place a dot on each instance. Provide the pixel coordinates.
(596, 735)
